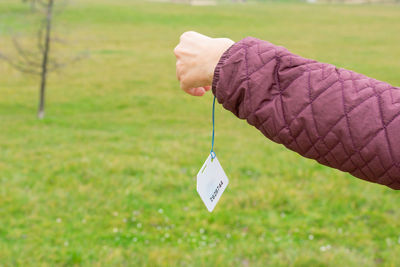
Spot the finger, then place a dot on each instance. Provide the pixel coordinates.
(198, 91)
(207, 88)
(177, 51)
(185, 85)
(178, 76)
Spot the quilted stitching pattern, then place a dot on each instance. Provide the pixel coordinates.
(340, 118)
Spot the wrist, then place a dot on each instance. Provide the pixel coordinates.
(216, 75)
(221, 46)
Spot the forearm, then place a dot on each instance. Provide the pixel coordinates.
(338, 117)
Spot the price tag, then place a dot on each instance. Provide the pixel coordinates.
(211, 181)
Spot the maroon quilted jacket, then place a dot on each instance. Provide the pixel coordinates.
(340, 118)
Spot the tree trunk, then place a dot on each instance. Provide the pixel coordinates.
(46, 52)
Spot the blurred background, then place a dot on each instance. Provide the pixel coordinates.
(106, 176)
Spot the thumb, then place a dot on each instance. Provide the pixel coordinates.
(198, 91)
(207, 88)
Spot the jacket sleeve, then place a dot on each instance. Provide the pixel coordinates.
(340, 118)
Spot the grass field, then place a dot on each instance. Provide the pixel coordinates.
(108, 177)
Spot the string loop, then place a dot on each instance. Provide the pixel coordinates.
(212, 153)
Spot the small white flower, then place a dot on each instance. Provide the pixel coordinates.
(166, 235)
(160, 211)
(125, 220)
(83, 221)
(311, 237)
(139, 225)
(201, 231)
(228, 235)
(58, 220)
(115, 213)
(134, 239)
(66, 243)
(283, 214)
(115, 230)
(325, 248)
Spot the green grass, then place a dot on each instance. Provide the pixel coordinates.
(107, 179)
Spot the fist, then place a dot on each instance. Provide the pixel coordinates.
(197, 56)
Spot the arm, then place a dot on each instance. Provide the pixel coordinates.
(338, 117)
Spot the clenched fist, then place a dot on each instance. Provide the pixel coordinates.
(197, 56)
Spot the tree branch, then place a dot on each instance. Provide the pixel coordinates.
(30, 59)
(19, 66)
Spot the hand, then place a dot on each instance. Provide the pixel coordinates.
(197, 56)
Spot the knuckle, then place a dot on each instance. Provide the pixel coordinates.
(183, 36)
(176, 50)
(186, 34)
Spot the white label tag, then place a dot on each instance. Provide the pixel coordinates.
(211, 182)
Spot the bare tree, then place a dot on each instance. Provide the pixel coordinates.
(37, 61)
(46, 51)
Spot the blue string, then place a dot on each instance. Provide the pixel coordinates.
(212, 153)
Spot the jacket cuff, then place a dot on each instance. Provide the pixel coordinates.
(221, 62)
